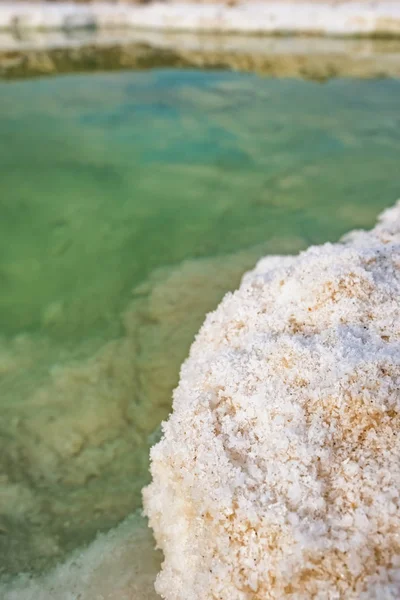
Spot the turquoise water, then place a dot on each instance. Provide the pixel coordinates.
(105, 177)
(146, 195)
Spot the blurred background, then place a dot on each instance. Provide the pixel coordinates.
(149, 156)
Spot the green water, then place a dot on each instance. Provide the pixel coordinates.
(105, 179)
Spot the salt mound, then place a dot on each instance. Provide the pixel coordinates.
(278, 475)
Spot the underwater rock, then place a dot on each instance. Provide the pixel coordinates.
(75, 430)
(76, 424)
(278, 473)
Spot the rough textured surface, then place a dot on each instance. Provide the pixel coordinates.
(118, 566)
(278, 475)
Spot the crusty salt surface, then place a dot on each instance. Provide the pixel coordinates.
(278, 475)
(119, 565)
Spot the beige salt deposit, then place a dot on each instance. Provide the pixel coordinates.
(278, 474)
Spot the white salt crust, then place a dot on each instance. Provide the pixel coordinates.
(378, 17)
(278, 475)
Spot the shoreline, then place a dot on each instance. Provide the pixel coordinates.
(350, 19)
(52, 53)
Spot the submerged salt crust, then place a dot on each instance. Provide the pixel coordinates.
(117, 566)
(97, 415)
(278, 474)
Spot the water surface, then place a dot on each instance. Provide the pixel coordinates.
(129, 203)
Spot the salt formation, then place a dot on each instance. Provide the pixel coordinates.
(120, 565)
(278, 475)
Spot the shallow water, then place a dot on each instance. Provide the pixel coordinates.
(169, 184)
